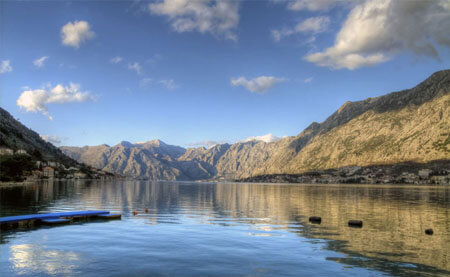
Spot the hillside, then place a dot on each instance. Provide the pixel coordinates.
(24, 155)
(14, 135)
(412, 125)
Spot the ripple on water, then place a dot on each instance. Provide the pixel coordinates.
(230, 229)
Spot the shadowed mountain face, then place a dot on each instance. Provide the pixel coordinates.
(15, 136)
(409, 125)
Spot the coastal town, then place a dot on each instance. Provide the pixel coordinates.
(32, 170)
(437, 173)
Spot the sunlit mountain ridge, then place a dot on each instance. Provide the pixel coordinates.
(408, 125)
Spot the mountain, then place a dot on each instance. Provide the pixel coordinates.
(409, 125)
(412, 125)
(16, 136)
(153, 159)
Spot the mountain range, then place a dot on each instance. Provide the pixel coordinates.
(408, 125)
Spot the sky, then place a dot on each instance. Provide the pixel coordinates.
(197, 72)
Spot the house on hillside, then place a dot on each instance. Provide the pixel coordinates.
(48, 172)
(424, 173)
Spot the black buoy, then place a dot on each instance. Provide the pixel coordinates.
(355, 223)
(315, 219)
(429, 231)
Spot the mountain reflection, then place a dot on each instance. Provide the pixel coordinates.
(392, 239)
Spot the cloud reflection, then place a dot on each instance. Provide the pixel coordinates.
(31, 259)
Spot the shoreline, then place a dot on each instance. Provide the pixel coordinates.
(265, 182)
(34, 181)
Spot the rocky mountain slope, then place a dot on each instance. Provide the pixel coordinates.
(152, 159)
(409, 125)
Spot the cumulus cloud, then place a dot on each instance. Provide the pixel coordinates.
(116, 60)
(266, 138)
(310, 25)
(56, 140)
(377, 30)
(169, 84)
(38, 99)
(217, 17)
(5, 66)
(76, 33)
(135, 67)
(40, 62)
(258, 85)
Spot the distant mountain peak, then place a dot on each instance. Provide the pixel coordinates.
(125, 143)
(154, 142)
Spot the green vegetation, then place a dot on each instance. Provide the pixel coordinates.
(443, 145)
(13, 166)
(373, 143)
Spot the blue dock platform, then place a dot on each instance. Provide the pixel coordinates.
(10, 222)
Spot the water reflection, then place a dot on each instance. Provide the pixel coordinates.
(391, 241)
(30, 259)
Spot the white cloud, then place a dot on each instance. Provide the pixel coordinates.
(266, 138)
(278, 34)
(116, 60)
(310, 25)
(74, 34)
(40, 62)
(5, 67)
(308, 80)
(169, 84)
(135, 67)
(313, 24)
(37, 100)
(56, 140)
(312, 5)
(205, 16)
(376, 30)
(258, 85)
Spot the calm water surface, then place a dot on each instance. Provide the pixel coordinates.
(195, 229)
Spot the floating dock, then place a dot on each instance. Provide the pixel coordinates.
(11, 222)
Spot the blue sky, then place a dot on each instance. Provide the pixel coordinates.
(187, 72)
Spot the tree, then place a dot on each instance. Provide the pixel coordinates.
(13, 166)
